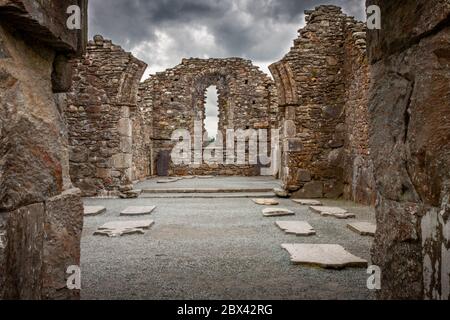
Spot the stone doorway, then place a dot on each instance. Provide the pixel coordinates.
(162, 163)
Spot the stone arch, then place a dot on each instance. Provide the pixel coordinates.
(220, 78)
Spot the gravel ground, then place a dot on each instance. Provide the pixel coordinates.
(216, 249)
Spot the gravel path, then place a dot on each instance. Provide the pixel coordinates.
(216, 249)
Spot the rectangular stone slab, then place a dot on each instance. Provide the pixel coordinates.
(277, 212)
(121, 228)
(332, 212)
(299, 228)
(93, 210)
(138, 211)
(266, 202)
(328, 256)
(307, 202)
(363, 228)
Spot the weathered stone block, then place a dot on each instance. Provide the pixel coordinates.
(61, 247)
(125, 127)
(121, 161)
(303, 175)
(46, 22)
(24, 254)
(312, 190)
(417, 19)
(290, 130)
(293, 145)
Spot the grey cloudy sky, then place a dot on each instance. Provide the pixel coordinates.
(162, 32)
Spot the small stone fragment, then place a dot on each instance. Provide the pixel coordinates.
(266, 202)
(280, 193)
(133, 194)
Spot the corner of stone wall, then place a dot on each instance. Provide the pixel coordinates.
(101, 115)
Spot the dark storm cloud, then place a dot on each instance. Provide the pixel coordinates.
(162, 32)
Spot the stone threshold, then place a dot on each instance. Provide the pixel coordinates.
(208, 190)
(206, 195)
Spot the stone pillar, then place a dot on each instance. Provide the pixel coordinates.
(410, 147)
(40, 215)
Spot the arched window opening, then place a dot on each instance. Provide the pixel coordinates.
(212, 113)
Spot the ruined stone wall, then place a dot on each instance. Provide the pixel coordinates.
(142, 125)
(359, 183)
(247, 100)
(41, 215)
(410, 147)
(100, 113)
(322, 83)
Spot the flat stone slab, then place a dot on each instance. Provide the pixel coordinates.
(328, 256)
(299, 228)
(363, 228)
(307, 202)
(170, 180)
(138, 211)
(93, 210)
(121, 228)
(266, 202)
(277, 212)
(332, 212)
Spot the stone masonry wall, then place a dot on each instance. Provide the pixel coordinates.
(359, 183)
(176, 98)
(41, 214)
(100, 113)
(322, 87)
(410, 146)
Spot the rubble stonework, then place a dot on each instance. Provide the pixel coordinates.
(101, 114)
(176, 98)
(41, 214)
(410, 147)
(322, 86)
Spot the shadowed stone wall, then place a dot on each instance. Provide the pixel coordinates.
(101, 115)
(41, 215)
(176, 98)
(410, 145)
(322, 87)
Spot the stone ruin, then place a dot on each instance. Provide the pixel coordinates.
(41, 214)
(323, 88)
(176, 100)
(367, 126)
(102, 114)
(120, 129)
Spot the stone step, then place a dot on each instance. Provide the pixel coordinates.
(206, 195)
(208, 190)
